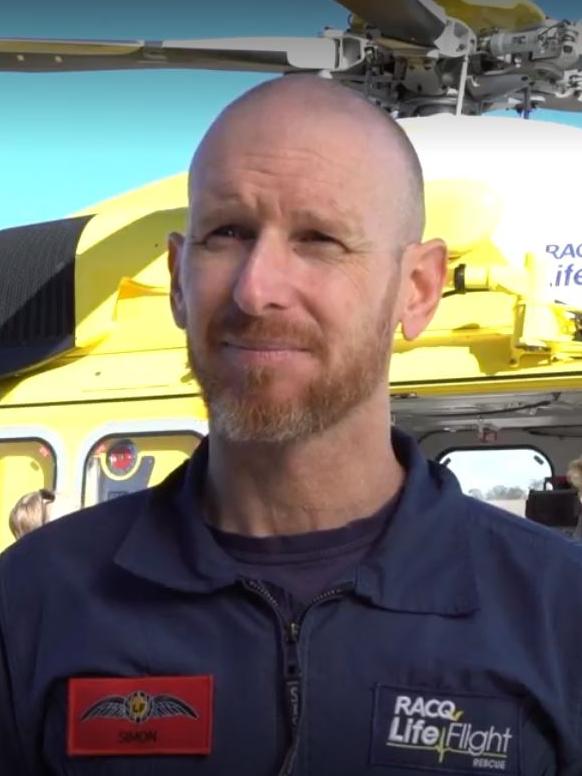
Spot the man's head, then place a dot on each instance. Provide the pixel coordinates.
(301, 257)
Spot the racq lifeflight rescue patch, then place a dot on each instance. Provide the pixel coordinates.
(139, 716)
(445, 732)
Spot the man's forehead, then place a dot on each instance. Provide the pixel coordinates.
(244, 184)
(319, 158)
(311, 167)
(294, 176)
(325, 212)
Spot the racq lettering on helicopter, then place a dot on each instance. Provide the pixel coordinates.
(566, 272)
(565, 250)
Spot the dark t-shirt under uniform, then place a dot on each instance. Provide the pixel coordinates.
(297, 568)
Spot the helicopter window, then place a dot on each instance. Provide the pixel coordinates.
(121, 464)
(499, 475)
(25, 465)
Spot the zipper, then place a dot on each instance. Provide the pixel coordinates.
(292, 666)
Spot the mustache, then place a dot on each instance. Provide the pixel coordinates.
(272, 329)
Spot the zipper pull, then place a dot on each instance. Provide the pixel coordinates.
(293, 675)
(293, 632)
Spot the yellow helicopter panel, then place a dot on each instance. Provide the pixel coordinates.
(109, 242)
(172, 191)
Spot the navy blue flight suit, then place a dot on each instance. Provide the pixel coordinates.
(454, 648)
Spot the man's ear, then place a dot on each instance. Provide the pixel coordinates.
(424, 275)
(175, 250)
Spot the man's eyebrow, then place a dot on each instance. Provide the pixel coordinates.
(216, 209)
(333, 221)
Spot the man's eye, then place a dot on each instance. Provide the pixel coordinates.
(227, 237)
(319, 245)
(317, 237)
(231, 232)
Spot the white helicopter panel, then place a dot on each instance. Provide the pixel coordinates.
(534, 171)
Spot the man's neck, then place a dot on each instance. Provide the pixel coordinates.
(322, 482)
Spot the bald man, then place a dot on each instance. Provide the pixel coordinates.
(307, 596)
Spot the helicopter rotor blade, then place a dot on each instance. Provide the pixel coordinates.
(417, 21)
(278, 55)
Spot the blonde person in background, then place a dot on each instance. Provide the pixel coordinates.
(574, 474)
(30, 511)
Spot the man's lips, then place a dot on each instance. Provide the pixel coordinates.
(262, 352)
(263, 345)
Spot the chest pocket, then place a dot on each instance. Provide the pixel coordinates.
(446, 732)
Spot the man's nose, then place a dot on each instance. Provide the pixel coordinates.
(265, 278)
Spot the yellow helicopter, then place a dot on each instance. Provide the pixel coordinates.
(96, 398)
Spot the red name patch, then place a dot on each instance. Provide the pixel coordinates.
(142, 715)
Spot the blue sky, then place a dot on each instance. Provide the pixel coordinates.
(69, 140)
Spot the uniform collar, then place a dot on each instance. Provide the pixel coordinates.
(422, 563)
(169, 543)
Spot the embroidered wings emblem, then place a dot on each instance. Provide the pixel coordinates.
(138, 707)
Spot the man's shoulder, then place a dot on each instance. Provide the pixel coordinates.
(518, 540)
(92, 532)
(75, 546)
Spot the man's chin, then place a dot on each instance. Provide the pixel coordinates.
(267, 389)
(251, 418)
